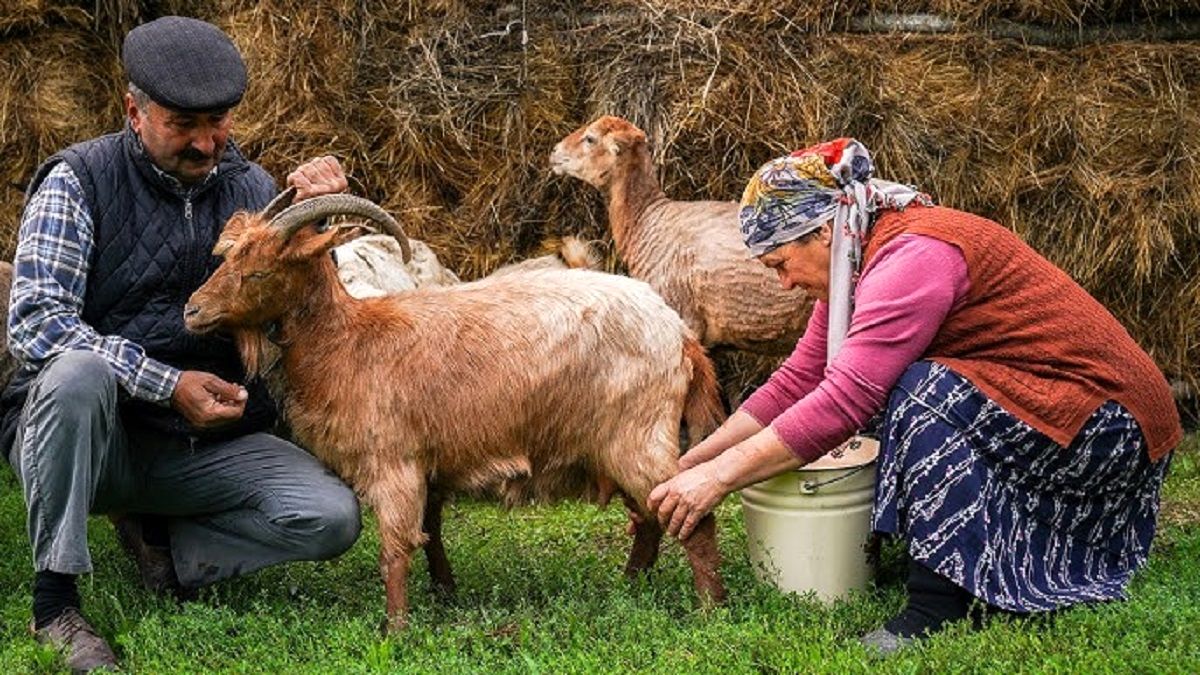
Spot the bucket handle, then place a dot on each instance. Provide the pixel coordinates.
(809, 487)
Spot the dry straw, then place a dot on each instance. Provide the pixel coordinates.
(446, 112)
(54, 90)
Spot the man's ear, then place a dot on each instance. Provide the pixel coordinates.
(133, 113)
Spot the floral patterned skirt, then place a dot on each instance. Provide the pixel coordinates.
(1003, 511)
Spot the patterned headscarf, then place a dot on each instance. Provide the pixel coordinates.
(792, 196)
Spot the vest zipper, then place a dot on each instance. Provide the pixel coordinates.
(195, 268)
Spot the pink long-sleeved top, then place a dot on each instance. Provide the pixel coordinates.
(903, 295)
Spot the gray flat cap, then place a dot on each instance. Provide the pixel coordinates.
(185, 64)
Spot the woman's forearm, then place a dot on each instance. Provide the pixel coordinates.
(736, 429)
(757, 458)
(680, 503)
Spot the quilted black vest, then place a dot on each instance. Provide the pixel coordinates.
(152, 244)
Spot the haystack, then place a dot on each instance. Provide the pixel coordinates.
(54, 90)
(446, 110)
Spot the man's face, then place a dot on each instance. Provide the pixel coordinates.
(183, 144)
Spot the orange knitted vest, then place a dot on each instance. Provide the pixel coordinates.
(1032, 339)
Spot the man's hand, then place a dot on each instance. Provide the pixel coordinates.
(207, 401)
(320, 176)
(683, 501)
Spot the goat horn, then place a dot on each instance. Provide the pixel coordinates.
(308, 211)
(280, 202)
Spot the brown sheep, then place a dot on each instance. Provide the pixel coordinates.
(534, 385)
(690, 252)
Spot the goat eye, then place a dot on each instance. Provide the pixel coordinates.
(589, 139)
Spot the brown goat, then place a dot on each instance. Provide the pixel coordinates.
(690, 252)
(532, 385)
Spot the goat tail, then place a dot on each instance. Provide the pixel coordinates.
(702, 408)
(578, 254)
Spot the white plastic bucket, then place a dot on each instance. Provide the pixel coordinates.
(807, 529)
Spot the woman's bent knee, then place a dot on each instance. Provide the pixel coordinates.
(914, 374)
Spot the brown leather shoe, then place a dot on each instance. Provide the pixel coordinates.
(155, 565)
(83, 647)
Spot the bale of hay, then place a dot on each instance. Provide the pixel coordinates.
(47, 102)
(446, 110)
(462, 111)
(21, 17)
(838, 15)
(300, 58)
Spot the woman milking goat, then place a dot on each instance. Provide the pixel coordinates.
(1025, 435)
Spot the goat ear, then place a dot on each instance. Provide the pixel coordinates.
(222, 247)
(348, 232)
(621, 140)
(238, 223)
(311, 242)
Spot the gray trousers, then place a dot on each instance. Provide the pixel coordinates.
(233, 506)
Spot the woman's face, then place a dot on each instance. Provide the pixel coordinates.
(803, 263)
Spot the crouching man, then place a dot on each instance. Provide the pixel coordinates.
(116, 408)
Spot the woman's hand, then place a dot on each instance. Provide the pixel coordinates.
(697, 456)
(683, 501)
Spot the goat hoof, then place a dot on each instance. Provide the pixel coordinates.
(711, 597)
(393, 625)
(445, 593)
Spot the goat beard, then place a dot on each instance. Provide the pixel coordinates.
(258, 353)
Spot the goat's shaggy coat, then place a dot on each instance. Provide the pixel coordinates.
(691, 252)
(533, 385)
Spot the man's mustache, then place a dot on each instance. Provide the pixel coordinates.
(193, 155)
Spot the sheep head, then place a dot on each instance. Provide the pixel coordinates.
(269, 259)
(592, 152)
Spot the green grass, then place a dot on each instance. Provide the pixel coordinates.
(541, 591)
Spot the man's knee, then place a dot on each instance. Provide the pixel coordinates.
(77, 381)
(332, 525)
(343, 523)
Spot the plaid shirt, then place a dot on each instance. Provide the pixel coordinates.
(44, 313)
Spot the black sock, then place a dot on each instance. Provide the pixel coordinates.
(154, 531)
(933, 601)
(52, 593)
